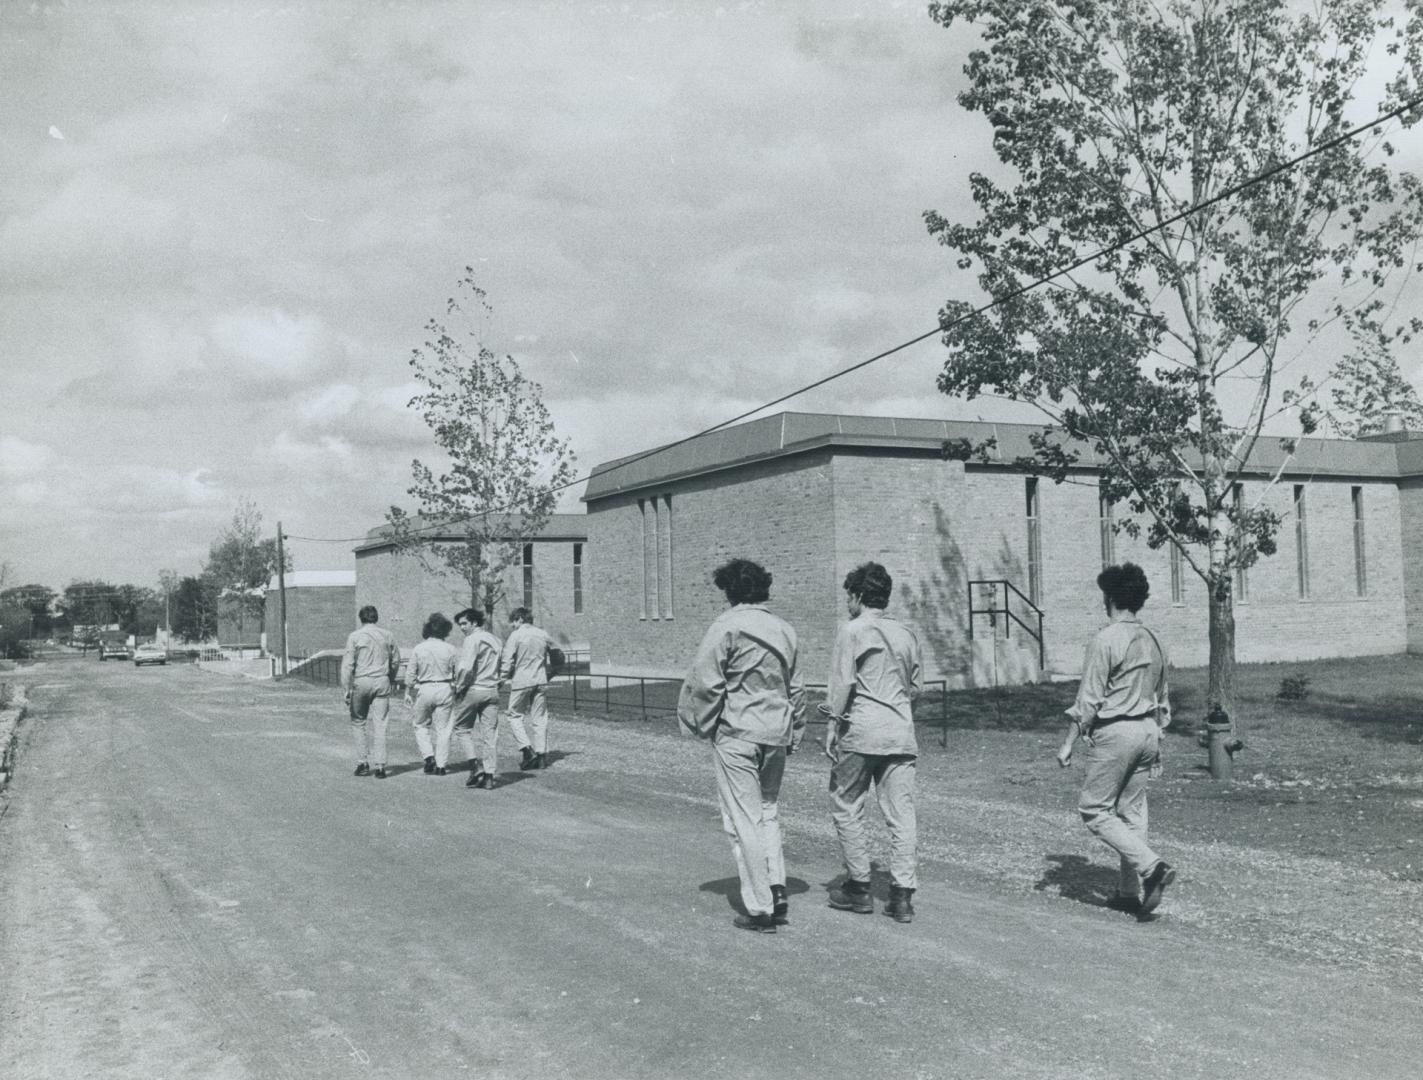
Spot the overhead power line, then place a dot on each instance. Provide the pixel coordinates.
(1111, 249)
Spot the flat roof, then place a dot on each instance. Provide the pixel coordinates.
(788, 433)
(316, 579)
(567, 527)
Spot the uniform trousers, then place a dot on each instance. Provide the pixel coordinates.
(1113, 800)
(748, 786)
(531, 702)
(476, 724)
(433, 710)
(370, 710)
(893, 778)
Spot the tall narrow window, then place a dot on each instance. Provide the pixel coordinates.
(1178, 575)
(1242, 576)
(649, 558)
(577, 579)
(529, 576)
(1361, 569)
(1035, 542)
(664, 558)
(1104, 526)
(1302, 542)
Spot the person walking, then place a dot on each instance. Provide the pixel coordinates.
(476, 708)
(876, 672)
(429, 687)
(524, 665)
(744, 695)
(368, 670)
(1122, 707)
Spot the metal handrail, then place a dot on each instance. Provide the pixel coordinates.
(1007, 612)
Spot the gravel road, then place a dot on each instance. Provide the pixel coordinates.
(192, 884)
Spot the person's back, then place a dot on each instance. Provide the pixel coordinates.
(368, 669)
(432, 661)
(745, 677)
(881, 668)
(526, 657)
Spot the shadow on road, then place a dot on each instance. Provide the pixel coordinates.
(1075, 877)
(731, 889)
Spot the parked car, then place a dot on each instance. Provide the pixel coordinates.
(149, 653)
(114, 649)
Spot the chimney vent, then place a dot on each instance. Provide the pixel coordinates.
(1392, 422)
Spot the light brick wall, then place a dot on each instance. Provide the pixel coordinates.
(405, 593)
(317, 618)
(777, 513)
(1410, 498)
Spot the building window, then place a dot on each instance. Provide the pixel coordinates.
(1178, 575)
(529, 576)
(664, 558)
(1361, 570)
(1104, 526)
(1302, 542)
(578, 579)
(649, 569)
(1242, 577)
(1035, 542)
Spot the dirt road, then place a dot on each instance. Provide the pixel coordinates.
(192, 884)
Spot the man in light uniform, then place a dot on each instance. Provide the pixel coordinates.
(524, 665)
(477, 697)
(368, 671)
(875, 674)
(745, 695)
(430, 692)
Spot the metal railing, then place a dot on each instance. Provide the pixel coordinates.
(993, 610)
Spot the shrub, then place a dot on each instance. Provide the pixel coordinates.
(1294, 688)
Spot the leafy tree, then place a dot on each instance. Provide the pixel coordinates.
(504, 462)
(194, 609)
(36, 600)
(240, 564)
(89, 604)
(1161, 362)
(1367, 387)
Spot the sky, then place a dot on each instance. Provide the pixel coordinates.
(223, 227)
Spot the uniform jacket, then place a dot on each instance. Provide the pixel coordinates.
(524, 662)
(744, 682)
(1123, 674)
(433, 661)
(876, 672)
(371, 653)
(479, 661)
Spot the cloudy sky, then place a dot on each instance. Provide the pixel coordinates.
(223, 227)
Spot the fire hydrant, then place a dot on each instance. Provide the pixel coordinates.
(1220, 744)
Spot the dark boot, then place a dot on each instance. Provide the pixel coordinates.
(781, 909)
(476, 773)
(901, 904)
(526, 756)
(761, 924)
(429, 765)
(853, 896)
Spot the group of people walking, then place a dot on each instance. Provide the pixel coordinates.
(451, 693)
(745, 695)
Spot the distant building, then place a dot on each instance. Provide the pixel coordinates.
(321, 611)
(548, 578)
(811, 496)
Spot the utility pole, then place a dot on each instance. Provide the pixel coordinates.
(282, 592)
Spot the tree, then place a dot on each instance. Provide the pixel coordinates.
(1367, 387)
(505, 464)
(240, 564)
(1161, 362)
(168, 585)
(36, 600)
(88, 605)
(195, 609)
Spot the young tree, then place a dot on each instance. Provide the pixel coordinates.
(1161, 362)
(504, 464)
(195, 609)
(1367, 386)
(36, 600)
(240, 564)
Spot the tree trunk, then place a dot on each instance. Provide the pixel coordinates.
(1221, 688)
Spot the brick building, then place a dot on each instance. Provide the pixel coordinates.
(321, 611)
(548, 578)
(811, 496)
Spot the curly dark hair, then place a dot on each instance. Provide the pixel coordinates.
(474, 615)
(743, 581)
(871, 583)
(1125, 586)
(437, 626)
(369, 614)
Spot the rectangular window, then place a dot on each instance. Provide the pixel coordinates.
(1035, 542)
(1104, 526)
(1178, 575)
(1302, 542)
(529, 576)
(1361, 569)
(577, 579)
(664, 558)
(649, 571)
(1242, 576)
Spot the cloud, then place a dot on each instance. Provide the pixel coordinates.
(19, 459)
